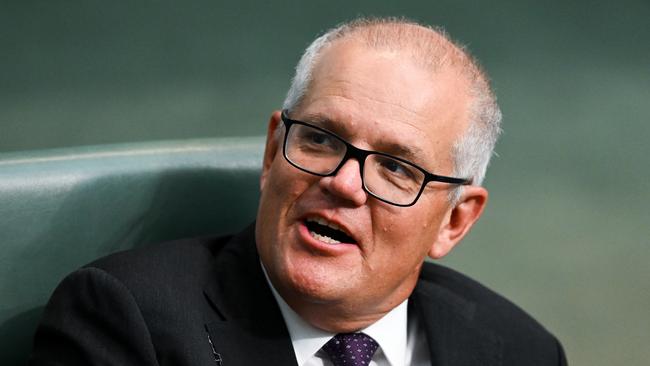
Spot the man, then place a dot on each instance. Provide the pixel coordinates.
(374, 164)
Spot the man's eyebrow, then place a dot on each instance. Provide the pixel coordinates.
(320, 120)
(411, 153)
(326, 123)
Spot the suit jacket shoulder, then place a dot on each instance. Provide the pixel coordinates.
(165, 273)
(461, 315)
(138, 307)
(187, 302)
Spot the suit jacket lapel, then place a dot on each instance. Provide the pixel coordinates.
(454, 339)
(251, 330)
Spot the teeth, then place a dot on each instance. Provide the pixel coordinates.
(324, 222)
(325, 239)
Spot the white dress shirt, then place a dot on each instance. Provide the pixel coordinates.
(401, 340)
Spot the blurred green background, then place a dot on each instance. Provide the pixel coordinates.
(566, 232)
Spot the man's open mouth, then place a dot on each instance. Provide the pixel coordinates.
(327, 232)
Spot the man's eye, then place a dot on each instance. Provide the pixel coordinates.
(396, 168)
(318, 138)
(314, 141)
(392, 166)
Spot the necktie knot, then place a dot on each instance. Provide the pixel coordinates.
(351, 349)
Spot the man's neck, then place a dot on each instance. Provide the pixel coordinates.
(390, 331)
(340, 316)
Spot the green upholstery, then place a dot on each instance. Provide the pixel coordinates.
(60, 209)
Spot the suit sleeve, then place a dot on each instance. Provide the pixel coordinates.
(92, 319)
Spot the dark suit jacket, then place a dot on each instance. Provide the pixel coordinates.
(206, 302)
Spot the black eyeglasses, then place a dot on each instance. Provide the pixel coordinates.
(388, 178)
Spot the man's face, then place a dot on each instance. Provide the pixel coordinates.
(376, 101)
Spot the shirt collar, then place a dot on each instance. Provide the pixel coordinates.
(390, 332)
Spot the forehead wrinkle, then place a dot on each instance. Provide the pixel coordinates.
(333, 88)
(332, 92)
(356, 91)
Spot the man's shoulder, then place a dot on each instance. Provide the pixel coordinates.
(488, 309)
(182, 256)
(165, 252)
(454, 304)
(146, 298)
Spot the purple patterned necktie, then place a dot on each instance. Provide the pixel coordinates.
(351, 349)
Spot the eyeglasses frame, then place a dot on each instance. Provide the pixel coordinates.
(360, 156)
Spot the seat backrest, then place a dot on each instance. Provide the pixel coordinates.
(60, 209)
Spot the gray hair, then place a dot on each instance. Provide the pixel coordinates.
(429, 47)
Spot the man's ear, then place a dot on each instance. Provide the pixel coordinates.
(459, 220)
(272, 144)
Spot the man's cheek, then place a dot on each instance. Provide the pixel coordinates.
(288, 182)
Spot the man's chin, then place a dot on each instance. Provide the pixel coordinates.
(317, 285)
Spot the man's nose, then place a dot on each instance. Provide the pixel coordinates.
(347, 183)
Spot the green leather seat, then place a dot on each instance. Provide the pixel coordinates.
(60, 209)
